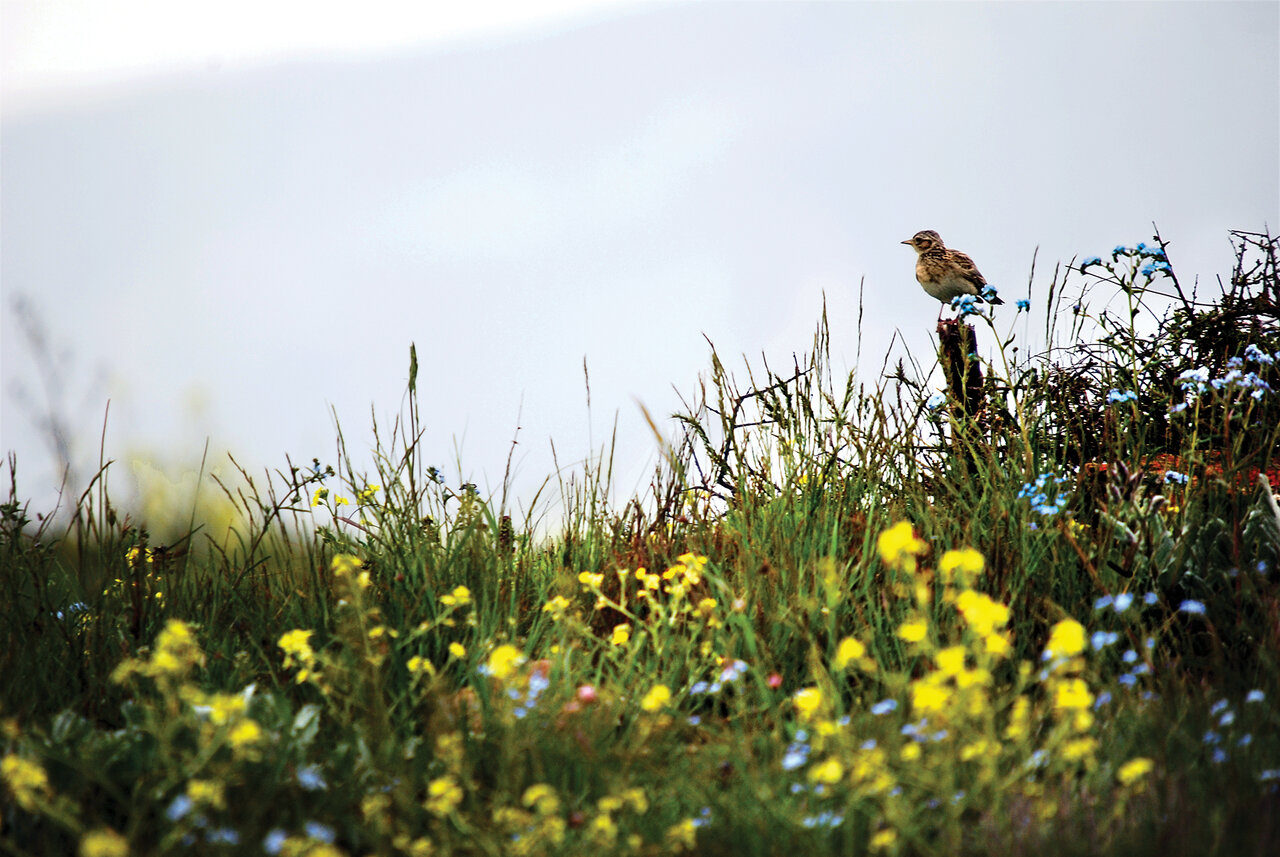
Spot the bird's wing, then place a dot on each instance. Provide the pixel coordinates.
(968, 270)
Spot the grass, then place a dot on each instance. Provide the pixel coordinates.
(1034, 613)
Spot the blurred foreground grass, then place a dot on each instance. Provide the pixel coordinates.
(1036, 612)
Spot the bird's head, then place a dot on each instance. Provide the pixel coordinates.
(925, 240)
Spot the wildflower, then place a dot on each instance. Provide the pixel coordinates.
(26, 779)
(913, 631)
(443, 796)
(1066, 639)
(311, 778)
(345, 563)
(1023, 305)
(1123, 600)
(1192, 607)
(322, 832)
(1099, 640)
(807, 702)
(418, 664)
(1072, 694)
(997, 644)
(964, 305)
(981, 613)
(1253, 352)
(656, 699)
(504, 660)
(899, 546)
(1078, 749)
(319, 497)
(1255, 696)
(245, 733)
(460, 597)
(457, 650)
(1174, 476)
(848, 651)
(989, 293)
(884, 706)
(966, 561)
(103, 842)
(796, 755)
(210, 793)
(951, 660)
(1090, 262)
(179, 808)
(683, 835)
(828, 772)
(542, 798)
(935, 401)
(621, 634)
(883, 840)
(927, 696)
(1117, 397)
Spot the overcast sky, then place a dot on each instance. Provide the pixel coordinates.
(232, 220)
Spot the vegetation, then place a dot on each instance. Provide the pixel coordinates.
(1038, 612)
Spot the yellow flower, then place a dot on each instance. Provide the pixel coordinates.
(457, 650)
(997, 644)
(26, 779)
(318, 497)
(911, 752)
(1134, 770)
(556, 607)
(683, 835)
(928, 696)
(899, 546)
(1066, 639)
(103, 842)
(913, 631)
(1071, 695)
(345, 563)
(504, 660)
(443, 796)
(808, 700)
(951, 660)
(656, 699)
(418, 664)
(705, 607)
(1079, 748)
(296, 645)
(848, 651)
(966, 561)
(882, 840)
(207, 793)
(621, 634)
(982, 614)
(542, 798)
(245, 732)
(828, 772)
(1019, 718)
(590, 581)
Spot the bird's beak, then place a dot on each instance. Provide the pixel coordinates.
(905, 242)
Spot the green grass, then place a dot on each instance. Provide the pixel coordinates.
(846, 618)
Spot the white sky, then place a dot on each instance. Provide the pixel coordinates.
(231, 219)
(52, 50)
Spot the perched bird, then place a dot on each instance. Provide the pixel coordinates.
(947, 274)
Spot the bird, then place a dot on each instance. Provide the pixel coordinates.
(948, 274)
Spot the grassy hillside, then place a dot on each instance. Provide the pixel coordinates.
(1030, 609)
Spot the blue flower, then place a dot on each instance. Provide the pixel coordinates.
(1130, 656)
(1090, 262)
(964, 305)
(936, 401)
(223, 836)
(884, 706)
(1120, 250)
(1150, 599)
(1023, 304)
(1218, 707)
(1128, 679)
(1257, 355)
(1175, 476)
(989, 293)
(274, 841)
(1101, 639)
(179, 808)
(1192, 607)
(312, 779)
(319, 832)
(1103, 602)
(797, 754)
(1123, 600)
(1178, 408)
(822, 819)
(1115, 396)
(1245, 740)
(1102, 699)
(1255, 696)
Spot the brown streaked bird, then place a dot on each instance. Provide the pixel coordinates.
(947, 274)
